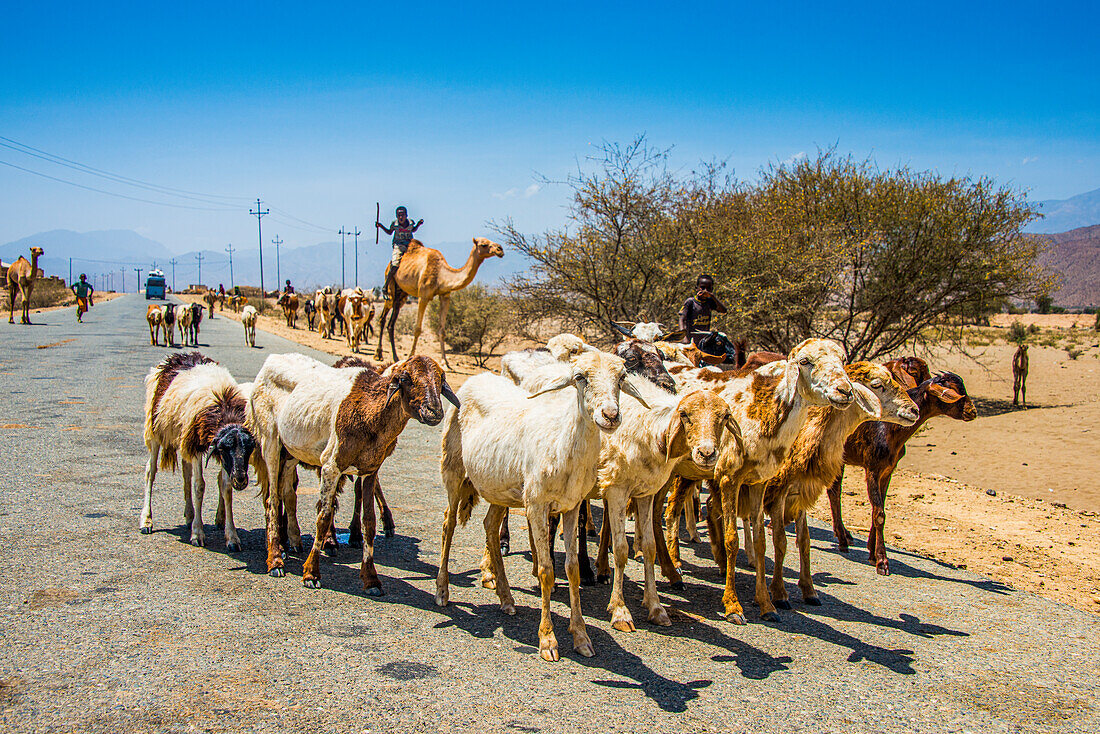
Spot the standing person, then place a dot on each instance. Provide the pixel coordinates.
(289, 288)
(402, 230)
(695, 315)
(83, 291)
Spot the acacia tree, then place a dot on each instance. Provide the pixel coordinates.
(827, 247)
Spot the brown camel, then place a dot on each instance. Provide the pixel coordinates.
(1019, 376)
(21, 277)
(424, 273)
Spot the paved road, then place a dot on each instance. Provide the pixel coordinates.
(106, 630)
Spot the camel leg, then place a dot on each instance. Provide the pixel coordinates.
(381, 329)
(397, 304)
(421, 309)
(444, 304)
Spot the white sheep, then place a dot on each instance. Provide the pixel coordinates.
(561, 348)
(536, 451)
(248, 318)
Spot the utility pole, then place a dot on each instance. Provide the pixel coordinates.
(172, 262)
(278, 273)
(199, 258)
(138, 271)
(122, 278)
(70, 272)
(342, 233)
(259, 214)
(229, 249)
(357, 233)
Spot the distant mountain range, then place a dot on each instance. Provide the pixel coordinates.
(309, 266)
(1062, 215)
(1076, 255)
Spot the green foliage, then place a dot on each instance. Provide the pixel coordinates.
(1096, 324)
(478, 321)
(1043, 304)
(828, 247)
(1017, 333)
(1033, 329)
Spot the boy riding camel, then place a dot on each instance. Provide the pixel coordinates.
(402, 230)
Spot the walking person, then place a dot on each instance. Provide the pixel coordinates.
(402, 230)
(83, 291)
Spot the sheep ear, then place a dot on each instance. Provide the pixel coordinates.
(867, 401)
(673, 434)
(674, 336)
(394, 387)
(556, 385)
(450, 394)
(734, 427)
(629, 388)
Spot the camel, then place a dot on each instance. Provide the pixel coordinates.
(1019, 376)
(21, 277)
(424, 273)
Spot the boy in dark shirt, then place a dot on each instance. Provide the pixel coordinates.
(695, 315)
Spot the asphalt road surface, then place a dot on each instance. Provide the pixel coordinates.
(107, 630)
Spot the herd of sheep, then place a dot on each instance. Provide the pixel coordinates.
(559, 427)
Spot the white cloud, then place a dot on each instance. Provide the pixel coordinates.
(510, 193)
(1029, 159)
(797, 157)
(531, 191)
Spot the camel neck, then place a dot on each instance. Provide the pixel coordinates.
(452, 279)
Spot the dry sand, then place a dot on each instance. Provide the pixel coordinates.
(1041, 532)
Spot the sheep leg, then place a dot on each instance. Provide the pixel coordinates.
(759, 540)
(805, 578)
(225, 500)
(603, 572)
(488, 573)
(878, 522)
(188, 504)
(388, 528)
(331, 478)
(727, 491)
(574, 533)
(691, 515)
(355, 530)
(450, 519)
(668, 568)
(587, 577)
(750, 551)
(198, 489)
(655, 613)
(289, 491)
(538, 520)
(367, 572)
(273, 505)
(715, 531)
(145, 524)
(505, 534)
(778, 587)
(493, 519)
(843, 537)
(680, 489)
(615, 517)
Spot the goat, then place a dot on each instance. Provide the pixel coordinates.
(1019, 376)
(183, 321)
(815, 460)
(310, 310)
(326, 306)
(770, 406)
(878, 447)
(248, 320)
(561, 348)
(154, 317)
(539, 452)
(289, 304)
(344, 420)
(194, 409)
(168, 323)
(196, 319)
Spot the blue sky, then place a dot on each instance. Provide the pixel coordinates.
(454, 109)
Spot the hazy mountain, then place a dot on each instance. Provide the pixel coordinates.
(1061, 215)
(308, 266)
(1076, 255)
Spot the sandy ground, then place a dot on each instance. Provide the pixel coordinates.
(1040, 532)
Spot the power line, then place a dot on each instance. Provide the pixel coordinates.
(172, 262)
(199, 256)
(278, 273)
(260, 233)
(229, 249)
(342, 232)
(119, 178)
(357, 233)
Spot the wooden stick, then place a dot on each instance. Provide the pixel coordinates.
(377, 214)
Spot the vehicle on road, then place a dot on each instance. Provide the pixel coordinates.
(155, 286)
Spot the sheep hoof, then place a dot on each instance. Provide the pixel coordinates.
(549, 654)
(509, 609)
(676, 585)
(312, 583)
(660, 617)
(295, 548)
(603, 578)
(623, 625)
(588, 580)
(198, 542)
(504, 547)
(331, 549)
(278, 572)
(233, 547)
(146, 531)
(812, 601)
(389, 532)
(770, 617)
(782, 603)
(441, 598)
(735, 618)
(585, 648)
(375, 591)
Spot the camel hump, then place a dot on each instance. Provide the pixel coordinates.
(414, 245)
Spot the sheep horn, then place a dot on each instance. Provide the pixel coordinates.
(450, 394)
(621, 329)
